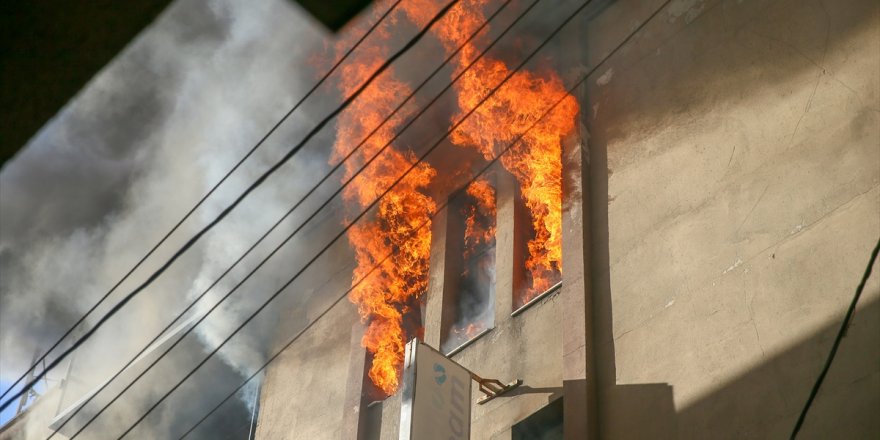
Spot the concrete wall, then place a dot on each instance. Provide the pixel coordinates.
(303, 393)
(735, 162)
(527, 346)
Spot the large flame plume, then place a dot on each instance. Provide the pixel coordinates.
(535, 161)
(391, 291)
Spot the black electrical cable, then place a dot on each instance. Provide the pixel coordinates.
(840, 334)
(342, 233)
(377, 265)
(336, 167)
(202, 200)
(241, 197)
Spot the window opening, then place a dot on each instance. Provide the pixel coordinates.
(545, 424)
(473, 288)
(536, 255)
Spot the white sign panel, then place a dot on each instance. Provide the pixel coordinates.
(436, 399)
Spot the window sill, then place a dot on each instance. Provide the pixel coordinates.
(555, 288)
(464, 345)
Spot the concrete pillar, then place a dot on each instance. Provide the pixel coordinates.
(353, 410)
(508, 253)
(578, 376)
(390, 418)
(437, 308)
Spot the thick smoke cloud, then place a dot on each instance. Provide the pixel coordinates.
(122, 162)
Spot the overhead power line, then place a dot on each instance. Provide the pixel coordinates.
(367, 209)
(437, 70)
(198, 204)
(412, 42)
(837, 340)
(320, 316)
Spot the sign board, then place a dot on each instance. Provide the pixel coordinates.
(436, 397)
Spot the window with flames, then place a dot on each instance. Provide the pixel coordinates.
(473, 239)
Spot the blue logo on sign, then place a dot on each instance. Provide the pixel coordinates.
(440, 374)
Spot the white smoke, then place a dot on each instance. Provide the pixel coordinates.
(122, 162)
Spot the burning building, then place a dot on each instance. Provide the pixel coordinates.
(542, 265)
(662, 250)
(501, 104)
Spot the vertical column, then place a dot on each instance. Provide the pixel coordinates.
(438, 309)
(390, 418)
(578, 374)
(508, 255)
(354, 412)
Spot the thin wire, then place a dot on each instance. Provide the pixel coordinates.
(837, 340)
(251, 188)
(342, 233)
(281, 220)
(202, 200)
(377, 265)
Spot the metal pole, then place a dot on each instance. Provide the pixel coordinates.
(30, 376)
(254, 412)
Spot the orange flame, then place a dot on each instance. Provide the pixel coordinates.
(467, 333)
(393, 289)
(479, 235)
(536, 160)
(479, 219)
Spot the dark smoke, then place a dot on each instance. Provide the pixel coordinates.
(122, 162)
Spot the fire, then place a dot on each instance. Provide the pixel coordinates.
(477, 277)
(390, 292)
(535, 161)
(479, 217)
(401, 226)
(467, 333)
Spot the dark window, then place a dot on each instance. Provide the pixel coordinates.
(546, 424)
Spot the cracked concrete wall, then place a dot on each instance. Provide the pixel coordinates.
(735, 181)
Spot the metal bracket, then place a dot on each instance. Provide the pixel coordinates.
(493, 387)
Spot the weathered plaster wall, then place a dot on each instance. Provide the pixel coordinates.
(527, 346)
(735, 164)
(303, 393)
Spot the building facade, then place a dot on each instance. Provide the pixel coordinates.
(720, 201)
